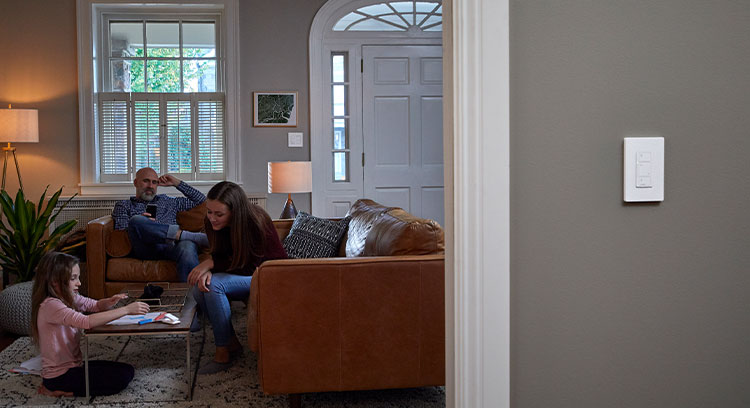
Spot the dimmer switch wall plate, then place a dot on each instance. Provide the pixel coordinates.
(643, 173)
(294, 139)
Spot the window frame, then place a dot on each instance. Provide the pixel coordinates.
(90, 80)
(181, 18)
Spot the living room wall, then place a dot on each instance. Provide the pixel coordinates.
(39, 70)
(629, 305)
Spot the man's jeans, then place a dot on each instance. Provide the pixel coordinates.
(152, 240)
(215, 303)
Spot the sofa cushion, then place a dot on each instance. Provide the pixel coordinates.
(364, 213)
(313, 237)
(135, 270)
(192, 219)
(396, 232)
(118, 243)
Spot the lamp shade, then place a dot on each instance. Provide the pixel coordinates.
(19, 125)
(290, 177)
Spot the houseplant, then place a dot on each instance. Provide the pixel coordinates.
(22, 243)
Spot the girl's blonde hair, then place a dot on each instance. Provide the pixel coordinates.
(52, 279)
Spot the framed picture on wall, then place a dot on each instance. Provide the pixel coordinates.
(277, 109)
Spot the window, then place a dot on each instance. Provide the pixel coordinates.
(161, 105)
(340, 116)
(394, 16)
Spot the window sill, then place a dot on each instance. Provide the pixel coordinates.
(126, 189)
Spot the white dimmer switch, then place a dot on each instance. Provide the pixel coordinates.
(643, 175)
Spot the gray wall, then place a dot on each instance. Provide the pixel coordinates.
(617, 305)
(274, 57)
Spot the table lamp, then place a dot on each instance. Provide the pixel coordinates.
(19, 126)
(289, 177)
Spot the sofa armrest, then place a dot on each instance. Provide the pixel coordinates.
(335, 324)
(97, 233)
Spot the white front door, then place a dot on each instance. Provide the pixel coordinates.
(402, 126)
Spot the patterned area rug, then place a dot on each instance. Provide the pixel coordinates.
(160, 379)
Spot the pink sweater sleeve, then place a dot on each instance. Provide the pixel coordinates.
(85, 304)
(56, 312)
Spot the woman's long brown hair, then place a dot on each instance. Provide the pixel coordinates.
(245, 236)
(52, 279)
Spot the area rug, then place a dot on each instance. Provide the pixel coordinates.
(160, 378)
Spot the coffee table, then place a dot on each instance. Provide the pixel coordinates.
(186, 313)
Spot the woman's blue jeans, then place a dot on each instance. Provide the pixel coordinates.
(215, 303)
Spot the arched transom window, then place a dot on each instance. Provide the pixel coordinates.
(394, 16)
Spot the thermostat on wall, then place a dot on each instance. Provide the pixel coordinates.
(643, 173)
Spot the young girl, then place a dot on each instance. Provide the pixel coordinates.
(241, 236)
(56, 320)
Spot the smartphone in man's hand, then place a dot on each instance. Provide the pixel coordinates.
(151, 210)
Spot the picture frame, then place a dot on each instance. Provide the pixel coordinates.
(275, 109)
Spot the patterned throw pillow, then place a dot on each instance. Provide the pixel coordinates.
(313, 237)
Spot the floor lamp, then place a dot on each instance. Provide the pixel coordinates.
(19, 126)
(289, 177)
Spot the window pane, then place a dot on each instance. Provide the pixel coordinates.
(163, 76)
(403, 6)
(179, 137)
(127, 76)
(425, 7)
(198, 40)
(147, 148)
(375, 9)
(163, 39)
(346, 20)
(339, 68)
(199, 75)
(340, 167)
(126, 39)
(376, 25)
(339, 134)
(339, 100)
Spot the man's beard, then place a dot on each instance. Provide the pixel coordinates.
(148, 195)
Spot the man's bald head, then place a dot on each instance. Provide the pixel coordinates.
(146, 181)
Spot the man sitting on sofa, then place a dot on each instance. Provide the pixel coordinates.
(157, 236)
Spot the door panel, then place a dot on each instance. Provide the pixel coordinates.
(391, 131)
(402, 112)
(394, 196)
(432, 131)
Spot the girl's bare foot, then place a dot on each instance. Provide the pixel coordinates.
(44, 391)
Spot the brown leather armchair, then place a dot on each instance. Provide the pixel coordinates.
(372, 321)
(108, 267)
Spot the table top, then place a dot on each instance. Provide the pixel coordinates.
(186, 318)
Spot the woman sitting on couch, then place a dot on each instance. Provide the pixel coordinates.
(241, 236)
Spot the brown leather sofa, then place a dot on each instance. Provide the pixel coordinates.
(371, 318)
(108, 267)
(374, 319)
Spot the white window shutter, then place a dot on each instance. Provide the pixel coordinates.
(210, 137)
(179, 138)
(147, 134)
(114, 144)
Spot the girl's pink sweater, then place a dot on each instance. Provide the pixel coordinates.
(59, 333)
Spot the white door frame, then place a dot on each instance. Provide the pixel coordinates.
(476, 68)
